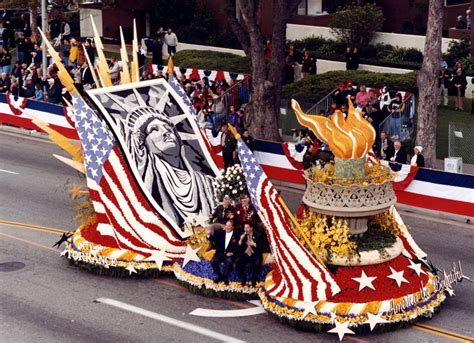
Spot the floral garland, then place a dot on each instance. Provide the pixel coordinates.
(199, 277)
(86, 257)
(284, 309)
(230, 182)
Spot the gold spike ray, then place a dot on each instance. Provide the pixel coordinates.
(125, 74)
(63, 74)
(102, 62)
(135, 68)
(60, 140)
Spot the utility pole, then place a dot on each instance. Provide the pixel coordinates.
(43, 43)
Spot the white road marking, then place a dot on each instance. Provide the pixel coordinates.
(168, 320)
(205, 312)
(8, 172)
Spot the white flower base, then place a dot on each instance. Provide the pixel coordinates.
(369, 257)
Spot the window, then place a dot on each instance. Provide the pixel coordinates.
(310, 7)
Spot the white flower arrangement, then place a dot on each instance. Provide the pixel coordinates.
(231, 183)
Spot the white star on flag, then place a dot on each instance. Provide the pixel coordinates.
(397, 276)
(90, 137)
(375, 319)
(190, 255)
(131, 269)
(158, 257)
(365, 281)
(341, 329)
(308, 307)
(416, 267)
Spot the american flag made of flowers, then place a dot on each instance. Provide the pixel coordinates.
(300, 276)
(122, 210)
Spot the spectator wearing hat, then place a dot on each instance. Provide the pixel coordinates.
(444, 82)
(73, 53)
(417, 159)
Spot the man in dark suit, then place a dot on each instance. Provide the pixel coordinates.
(399, 156)
(87, 80)
(384, 149)
(249, 262)
(226, 243)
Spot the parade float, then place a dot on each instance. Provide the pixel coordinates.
(344, 263)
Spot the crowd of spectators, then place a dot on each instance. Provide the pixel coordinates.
(464, 23)
(375, 106)
(25, 77)
(298, 64)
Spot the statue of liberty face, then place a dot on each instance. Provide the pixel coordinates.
(161, 139)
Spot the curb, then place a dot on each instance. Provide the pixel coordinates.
(24, 132)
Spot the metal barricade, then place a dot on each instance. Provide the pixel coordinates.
(322, 104)
(236, 96)
(460, 141)
(401, 125)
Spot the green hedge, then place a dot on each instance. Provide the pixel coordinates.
(313, 88)
(212, 60)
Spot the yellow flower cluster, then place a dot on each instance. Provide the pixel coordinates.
(386, 221)
(376, 174)
(329, 235)
(199, 239)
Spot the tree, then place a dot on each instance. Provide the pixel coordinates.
(267, 77)
(428, 83)
(355, 25)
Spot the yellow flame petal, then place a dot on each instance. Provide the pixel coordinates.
(321, 126)
(355, 120)
(342, 135)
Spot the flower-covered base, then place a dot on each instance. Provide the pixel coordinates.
(102, 260)
(199, 278)
(416, 297)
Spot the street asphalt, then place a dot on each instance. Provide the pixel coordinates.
(44, 299)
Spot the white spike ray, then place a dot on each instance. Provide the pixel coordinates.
(163, 101)
(139, 97)
(74, 164)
